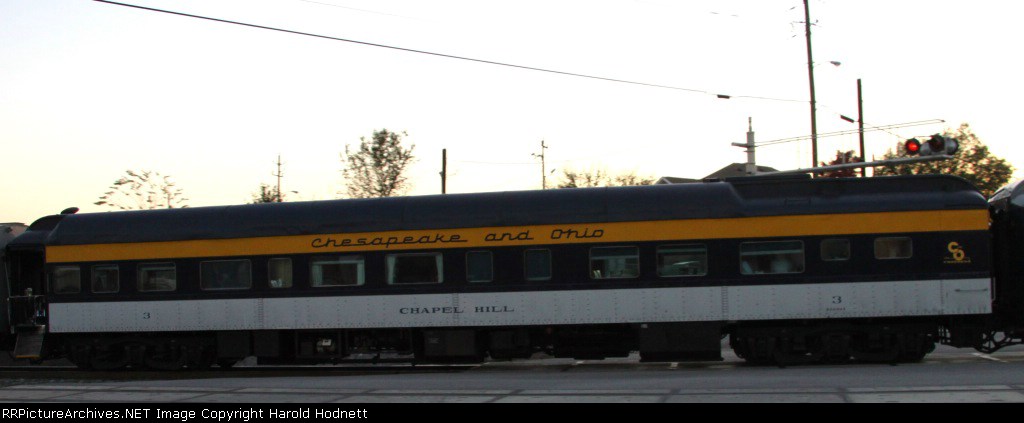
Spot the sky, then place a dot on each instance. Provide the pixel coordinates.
(89, 90)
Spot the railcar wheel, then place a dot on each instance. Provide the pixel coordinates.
(165, 358)
(757, 351)
(109, 358)
(81, 356)
(833, 347)
(915, 347)
(201, 358)
(812, 349)
(753, 350)
(876, 349)
(911, 357)
(82, 365)
(201, 363)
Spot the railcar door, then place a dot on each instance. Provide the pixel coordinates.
(27, 302)
(27, 285)
(8, 232)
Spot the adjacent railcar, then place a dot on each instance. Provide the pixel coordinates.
(791, 269)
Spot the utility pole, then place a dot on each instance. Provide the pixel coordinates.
(751, 166)
(810, 75)
(543, 166)
(278, 175)
(860, 128)
(751, 162)
(444, 170)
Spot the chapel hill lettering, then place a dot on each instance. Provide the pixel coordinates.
(456, 310)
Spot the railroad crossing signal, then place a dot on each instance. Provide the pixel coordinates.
(937, 145)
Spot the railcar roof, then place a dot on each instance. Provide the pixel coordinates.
(748, 197)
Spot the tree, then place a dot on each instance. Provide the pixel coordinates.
(842, 157)
(582, 179)
(972, 161)
(143, 190)
(266, 194)
(376, 169)
(627, 179)
(597, 178)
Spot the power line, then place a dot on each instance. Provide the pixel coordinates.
(883, 128)
(851, 131)
(444, 55)
(356, 9)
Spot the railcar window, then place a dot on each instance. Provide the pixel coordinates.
(772, 257)
(682, 260)
(225, 274)
(614, 262)
(893, 248)
(280, 272)
(157, 277)
(835, 249)
(337, 271)
(66, 280)
(479, 266)
(415, 268)
(538, 265)
(105, 279)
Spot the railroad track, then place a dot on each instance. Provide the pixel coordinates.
(73, 373)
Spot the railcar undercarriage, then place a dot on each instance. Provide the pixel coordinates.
(834, 342)
(766, 343)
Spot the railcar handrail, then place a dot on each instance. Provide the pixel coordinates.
(28, 310)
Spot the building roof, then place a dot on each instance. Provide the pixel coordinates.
(731, 171)
(736, 170)
(674, 180)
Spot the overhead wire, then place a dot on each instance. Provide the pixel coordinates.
(356, 9)
(849, 131)
(448, 56)
(883, 128)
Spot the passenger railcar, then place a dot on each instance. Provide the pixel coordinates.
(791, 269)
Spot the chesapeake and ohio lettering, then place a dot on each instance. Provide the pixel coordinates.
(577, 234)
(508, 236)
(386, 241)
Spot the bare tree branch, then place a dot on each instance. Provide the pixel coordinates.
(143, 190)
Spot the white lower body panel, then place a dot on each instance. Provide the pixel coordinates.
(677, 304)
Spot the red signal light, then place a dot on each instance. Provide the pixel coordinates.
(937, 144)
(913, 146)
(942, 145)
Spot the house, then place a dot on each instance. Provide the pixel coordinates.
(730, 171)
